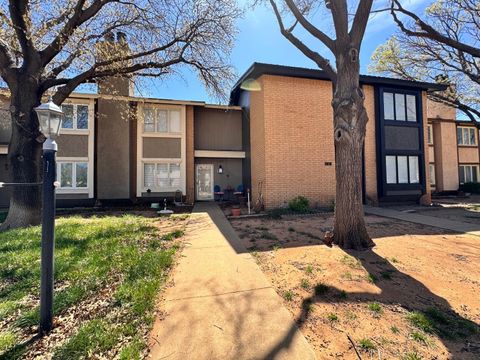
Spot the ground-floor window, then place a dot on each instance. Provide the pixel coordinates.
(161, 176)
(402, 169)
(468, 173)
(73, 174)
(432, 174)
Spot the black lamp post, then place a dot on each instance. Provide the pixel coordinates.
(50, 118)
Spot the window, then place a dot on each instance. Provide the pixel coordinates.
(430, 134)
(76, 117)
(402, 169)
(161, 120)
(399, 107)
(161, 176)
(432, 174)
(468, 173)
(73, 175)
(466, 136)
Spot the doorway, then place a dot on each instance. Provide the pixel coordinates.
(204, 182)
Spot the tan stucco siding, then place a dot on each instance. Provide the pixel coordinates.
(299, 149)
(370, 147)
(468, 155)
(170, 148)
(217, 129)
(72, 145)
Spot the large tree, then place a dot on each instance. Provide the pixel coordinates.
(349, 113)
(442, 46)
(55, 45)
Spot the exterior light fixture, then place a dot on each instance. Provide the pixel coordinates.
(220, 169)
(50, 118)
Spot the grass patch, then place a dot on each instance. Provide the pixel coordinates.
(395, 329)
(342, 295)
(411, 356)
(387, 274)
(321, 289)
(372, 279)
(419, 337)
(309, 269)
(288, 295)
(125, 254)
(332, 317)
(366, 344)
(352, 262)
(305, 284)
(3, 216)
(375, 307)
(446, 325)
(347, 276)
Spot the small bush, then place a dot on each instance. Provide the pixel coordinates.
(375, 307)
(366, 344)
(418, 337)
(470, 187)
(321, 289)
(411, 356)
(300, 204)
(332, 317)
(372, 279)
(309, 269)
(420, 321)
(305, 284)
(288, 295)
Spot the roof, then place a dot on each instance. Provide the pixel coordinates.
(258, 69)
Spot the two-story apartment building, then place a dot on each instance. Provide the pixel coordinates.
(275, 137)
(454, 149)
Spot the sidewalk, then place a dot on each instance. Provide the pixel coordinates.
(222, 306)
(457, 226)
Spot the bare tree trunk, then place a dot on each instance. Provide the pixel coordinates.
(350, 119)
(24, 156)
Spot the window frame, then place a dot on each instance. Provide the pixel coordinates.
(74, 127)
(430, 134)
(408, 176)
(155, 132)
(472, 166)
(433, 180)
(156, 163)
(405, 94)
(74, 188)
(469, 128)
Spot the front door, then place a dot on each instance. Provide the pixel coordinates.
(204, 181)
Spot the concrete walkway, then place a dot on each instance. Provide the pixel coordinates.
(221, 305)
(457, 226)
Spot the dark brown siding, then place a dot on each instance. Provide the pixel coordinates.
(156, 148)
(217, 129)
(113, 154)
(72, 145)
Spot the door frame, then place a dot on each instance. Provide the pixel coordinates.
(212, 172)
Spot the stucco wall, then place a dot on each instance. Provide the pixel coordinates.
(370, 147)
(113, 149)
(446, 161)
(218, 129)
(72, 145)
(437, 110)
(468, 155)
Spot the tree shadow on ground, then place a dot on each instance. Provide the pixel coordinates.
(428, 311)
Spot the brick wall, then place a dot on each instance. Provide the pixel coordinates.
(298, 140)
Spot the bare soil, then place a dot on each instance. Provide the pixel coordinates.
(415, 295)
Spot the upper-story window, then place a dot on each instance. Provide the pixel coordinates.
(399, 107)
(430, 134)
(161, 120)
(76, 117)
(466, 136)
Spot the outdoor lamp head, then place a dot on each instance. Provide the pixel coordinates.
(50, 117)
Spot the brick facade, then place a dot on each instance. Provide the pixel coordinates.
(190, 158)
(370, 148)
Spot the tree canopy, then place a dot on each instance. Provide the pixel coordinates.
(443, 46)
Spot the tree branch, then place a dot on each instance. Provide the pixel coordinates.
(322, 62)
(339, 11)
(320, 35)
(19, 13)
(428, 31)
(360, 22)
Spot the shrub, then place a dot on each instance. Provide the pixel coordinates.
(470, 187)
(299, 204)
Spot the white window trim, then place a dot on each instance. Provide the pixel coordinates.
(74, 189)
(168, 133)
(473, 166)
(157, 162)
(141, 135)
(474, 132)
(91, 147)
(74, 129)
(434, 178)
(430, 127)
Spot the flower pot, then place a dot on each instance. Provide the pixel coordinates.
(236, 212)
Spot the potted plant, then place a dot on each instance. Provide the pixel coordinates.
(236, 211)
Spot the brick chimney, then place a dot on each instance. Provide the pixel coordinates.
(108, 48)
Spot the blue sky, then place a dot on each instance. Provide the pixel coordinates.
(260, 41)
